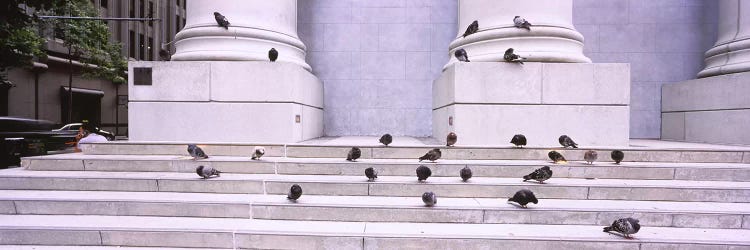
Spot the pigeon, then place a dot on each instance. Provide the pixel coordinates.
(566, 141)
(432, 155)
(423, 173)
(295, 192)
(523, 197)
(221, 20)
(511, 57)
(466, 173)
(519, 140)
(617, 156)
(521, 23)
(590, 156)
(451, 139)
(541, 174)
(429, 199)
(461, 55)
(273, 54)
(196, 152)
(625, 226)
(473, 28)
(556, 157)
(164, 55)
(386, 139)
(354, 154)
(259, 151)
(371, 174)
(207, 172)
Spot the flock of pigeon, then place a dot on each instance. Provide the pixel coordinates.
(624, 226)
(509, 56)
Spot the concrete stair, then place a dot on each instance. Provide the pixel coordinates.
(147, 195)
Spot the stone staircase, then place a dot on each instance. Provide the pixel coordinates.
(129, 194)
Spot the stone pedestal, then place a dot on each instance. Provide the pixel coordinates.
(731, 53)
(225, 102)
(487, 103)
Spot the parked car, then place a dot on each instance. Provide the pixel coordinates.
(28, 137)
(75, 126)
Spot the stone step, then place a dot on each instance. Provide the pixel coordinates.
(373, 209)
(136, 231)
(637, 154)
(390, 167)
(39, 247)
(485, 187)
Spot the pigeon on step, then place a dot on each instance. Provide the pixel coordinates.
(590, 156)
(423, 173)
(273, 54)
(519, 140)
(473, 28)
(432, 155)
(566, 141)
(207, 172)
(451, 139)
(294, 193)
(523, 197)
(386, 139)
(221, 20)
(625, 226)
(541, 174)
(429, 199)
(258, 152)
(354, 154)
(521, 23)
(371, 174)
(509, 56)
(196, 152)
(556, 157)
(617, 156)
(461, 55)
(466, 173)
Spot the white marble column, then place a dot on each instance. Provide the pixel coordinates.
(731, 54)
(552, 37)
(256, 27)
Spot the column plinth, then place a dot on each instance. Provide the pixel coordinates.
(731, 54)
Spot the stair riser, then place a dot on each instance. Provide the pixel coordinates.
(534, 244)
(519, 216)
(196, 185)
(129, 208)
(179, 149)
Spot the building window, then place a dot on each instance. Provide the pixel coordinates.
(143, 8)
(150, 12)
(177, 23)
(142, 50)
(103, 3)
(183, 22)
(132, 8)
(150, 48)
(131, 50)
(178, 2)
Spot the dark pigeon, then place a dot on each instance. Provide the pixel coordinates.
(432, 155)
(196, 152)
(521, 23)
(423, 173)
(519, 140)
(461, 55)
(466, 173)
(221, 20)
(273, 54)
(523, 197)
(294, 193)
(624, 226)
(258, 152)
(386, 139)
(371, 174)
(590, 156)
(509, 56)
(556, 157)
(429, 199)
(541, 174)
(164, 55)
(473, 28)
(451, 139)
(566, 141)
(617, 156)
(354, 154)
(207, 172)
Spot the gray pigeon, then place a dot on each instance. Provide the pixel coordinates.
(461, 55)
(386, 139)
(625, 226)
(590, 156)
(617, 156)
(451, 139)
(523, 197)
(509, 56)
(294, 193)
(541, 174)
(519, 140)
(466, 173)
(196, 152)
(259, 151)
(556, 157)
(521, 23)
(354, 154)
(566, 141)
(429, 199)
(473, 28)
(221, 20)
(273, 54)
(432, 155)
(423, 173)
(207, 172)
(371, 174)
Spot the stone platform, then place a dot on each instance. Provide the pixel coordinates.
(486, 103)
